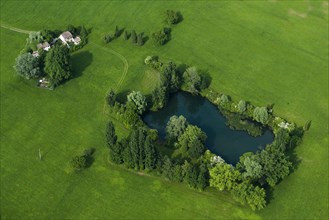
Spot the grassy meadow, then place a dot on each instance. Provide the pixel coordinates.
(261, 51)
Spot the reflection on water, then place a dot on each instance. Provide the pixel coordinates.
(223, 141)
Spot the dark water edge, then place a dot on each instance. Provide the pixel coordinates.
(221, 140)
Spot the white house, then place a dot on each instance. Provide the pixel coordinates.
(67, 37)
(45, 46)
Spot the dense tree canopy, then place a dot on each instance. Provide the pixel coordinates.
(27, 66)
(223, 176)
(137, 101)
(176, 126)
(192, 79)
(57, 64)
(261, 114)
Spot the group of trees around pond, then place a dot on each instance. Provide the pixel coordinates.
(52, 63)
(182, 157)
(159, 38)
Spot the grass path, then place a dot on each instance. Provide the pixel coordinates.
(15, 29)
(121, 57)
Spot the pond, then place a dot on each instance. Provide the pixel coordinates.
(221, 140)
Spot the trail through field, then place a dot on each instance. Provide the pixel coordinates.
(15, 29)
(121, 57)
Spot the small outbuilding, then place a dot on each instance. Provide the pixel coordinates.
(45, 46)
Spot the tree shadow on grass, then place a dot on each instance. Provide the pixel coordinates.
(122, 96)
(80, 61)
(89, 156)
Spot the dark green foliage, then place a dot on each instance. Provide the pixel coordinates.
(159, 97)
(48, 35)
(126, 35)
(281, 140)
(167, 168)
(111, 98)
(170, 77)
(178, 173)
(192, 141)
(72, 29)
(133, 37)
(192, 79)
(111, 137)
(246, 193)
(78, 163)
(172, 17)
(108, 38)
(27, 66)
(140, 40)
(116, 32)
(150, 154)
(261, 114)
(191, 178)
(203, 176)
(57, 64)
(176, 126)
(161, 37)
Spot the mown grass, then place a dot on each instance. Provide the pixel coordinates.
(255, 51)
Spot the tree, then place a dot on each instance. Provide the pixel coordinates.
(150, 154)
(111, 137)
(307, 125)
(192, 141)
(167, 168)
(178, 173)
(281, 139)
(159, 97)
(202, 181)
(126, 35)
(253, 169)
(192, 80)
(223, 176)
(111, 98)
(78, 163)
(116, 32)
(192, 177)
(57, 64)
(186, 169)
(261, 114)
(159, 38)
(246, 193)
(108, 38)
(137, 101)
(176, 126)
(242, 106)
(172, 17)
(27, 66)
(140, 40)
(133, 37)
(170, 78)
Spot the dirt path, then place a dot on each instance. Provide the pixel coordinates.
(15, 29)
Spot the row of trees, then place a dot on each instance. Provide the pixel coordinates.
(136, 39)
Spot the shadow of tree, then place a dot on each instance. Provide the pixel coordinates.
(80, 61)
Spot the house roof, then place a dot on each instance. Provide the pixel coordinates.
(43, 45)
(67, 35)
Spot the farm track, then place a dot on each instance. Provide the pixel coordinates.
(121, 57)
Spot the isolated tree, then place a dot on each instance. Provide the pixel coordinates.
(176, 126)
(57, 64)
(242, 106)
(137, 101)
(78, 163)
(307, 125)
(133, 37)
(125, 35)
(261, 114)
(116, 32)
(27, 66)
(223, 176)
(172, 17)
(140, 40)
(192, 79)
(159, 38)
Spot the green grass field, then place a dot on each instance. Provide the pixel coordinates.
(261, 51)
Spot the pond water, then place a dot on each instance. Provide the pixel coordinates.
(221, 140)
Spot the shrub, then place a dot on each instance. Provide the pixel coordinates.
(172, 17)
(160, 37)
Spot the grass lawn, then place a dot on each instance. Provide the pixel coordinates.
(261, 51)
